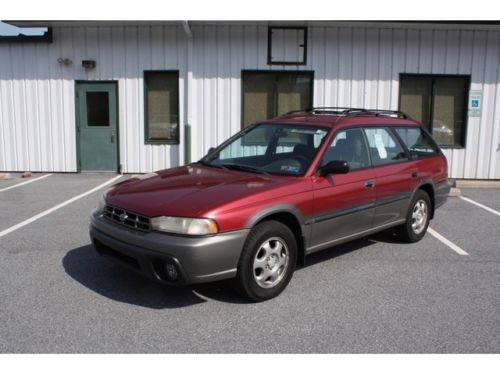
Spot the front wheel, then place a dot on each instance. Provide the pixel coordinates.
(267, 261)
(417, 218)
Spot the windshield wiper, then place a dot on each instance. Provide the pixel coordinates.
(205, 163)
(245, 168)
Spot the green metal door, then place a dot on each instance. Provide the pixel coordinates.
(96, 125)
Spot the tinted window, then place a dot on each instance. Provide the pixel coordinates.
(439, 102)
(384, 148)
(162, 106)
(267, 94)
(350, 146)
(417, 141)
(97, 108)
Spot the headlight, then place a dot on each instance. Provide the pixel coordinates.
(183, 225)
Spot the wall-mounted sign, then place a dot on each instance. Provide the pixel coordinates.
(475, 103)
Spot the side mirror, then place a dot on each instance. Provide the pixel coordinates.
(334, 167)
(210, 150)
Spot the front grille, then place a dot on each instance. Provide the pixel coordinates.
(127, 218)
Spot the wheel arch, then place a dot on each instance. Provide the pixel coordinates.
(429, 188)
(289, 216)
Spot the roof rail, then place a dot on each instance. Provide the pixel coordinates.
(327, 110)
(388, 112)
(350, 112)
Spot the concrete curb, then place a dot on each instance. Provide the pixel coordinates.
(492, 184)
(455, 192)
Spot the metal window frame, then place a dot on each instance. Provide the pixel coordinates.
(161, 141)
(310, 73)
(270, 45)
(433, 77)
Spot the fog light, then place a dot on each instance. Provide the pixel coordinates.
(171, 271)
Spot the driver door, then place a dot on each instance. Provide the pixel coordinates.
(344, 204)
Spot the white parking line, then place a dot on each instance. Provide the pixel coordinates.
(25, 182)
(55, 208)
(447, 242)
(495, 212)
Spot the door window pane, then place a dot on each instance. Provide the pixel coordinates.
(270, 94)
(97, 108)
(162, 106)
(350, 146)
(439, 102)
(384, 149)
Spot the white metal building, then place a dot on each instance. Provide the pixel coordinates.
(142, 96)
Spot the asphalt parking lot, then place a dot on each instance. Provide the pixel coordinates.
(373, 295)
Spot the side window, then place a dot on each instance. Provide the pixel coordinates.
(350, 146)
(417, 141)
(384, 148)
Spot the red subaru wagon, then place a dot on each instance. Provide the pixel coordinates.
(255, 206)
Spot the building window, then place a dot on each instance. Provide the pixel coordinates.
(287, 45)
(268, 94)
(161, 107)
(439, 102)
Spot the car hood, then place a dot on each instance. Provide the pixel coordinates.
(194, 191)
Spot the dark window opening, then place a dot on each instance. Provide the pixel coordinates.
(439, 102)
(97, 108)
(268, 94)
(162, 107)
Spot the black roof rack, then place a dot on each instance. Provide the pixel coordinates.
(350, 112)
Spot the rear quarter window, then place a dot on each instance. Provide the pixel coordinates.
(417, 141)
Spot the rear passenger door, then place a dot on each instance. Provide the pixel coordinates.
(343, 203)
(428, 159)
(395, 176)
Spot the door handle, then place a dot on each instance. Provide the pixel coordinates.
(369, 184)
(113, 134)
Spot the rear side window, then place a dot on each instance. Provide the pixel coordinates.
(384, 148)
(417, 141)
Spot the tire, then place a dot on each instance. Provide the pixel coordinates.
(417, 218)
(267, 261)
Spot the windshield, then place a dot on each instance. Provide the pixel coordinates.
(268, 148)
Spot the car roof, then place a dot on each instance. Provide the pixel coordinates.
(340, 117)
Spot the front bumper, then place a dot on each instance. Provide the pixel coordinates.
(196, 259)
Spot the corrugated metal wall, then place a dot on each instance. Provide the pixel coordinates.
(37, 95)
(353, 66)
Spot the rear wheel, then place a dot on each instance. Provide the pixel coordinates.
(267, 261)
(417, 218)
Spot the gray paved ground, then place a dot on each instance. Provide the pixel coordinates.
(488, 197)
(372, 296)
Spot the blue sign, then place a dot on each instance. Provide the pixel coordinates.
(475, 103)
